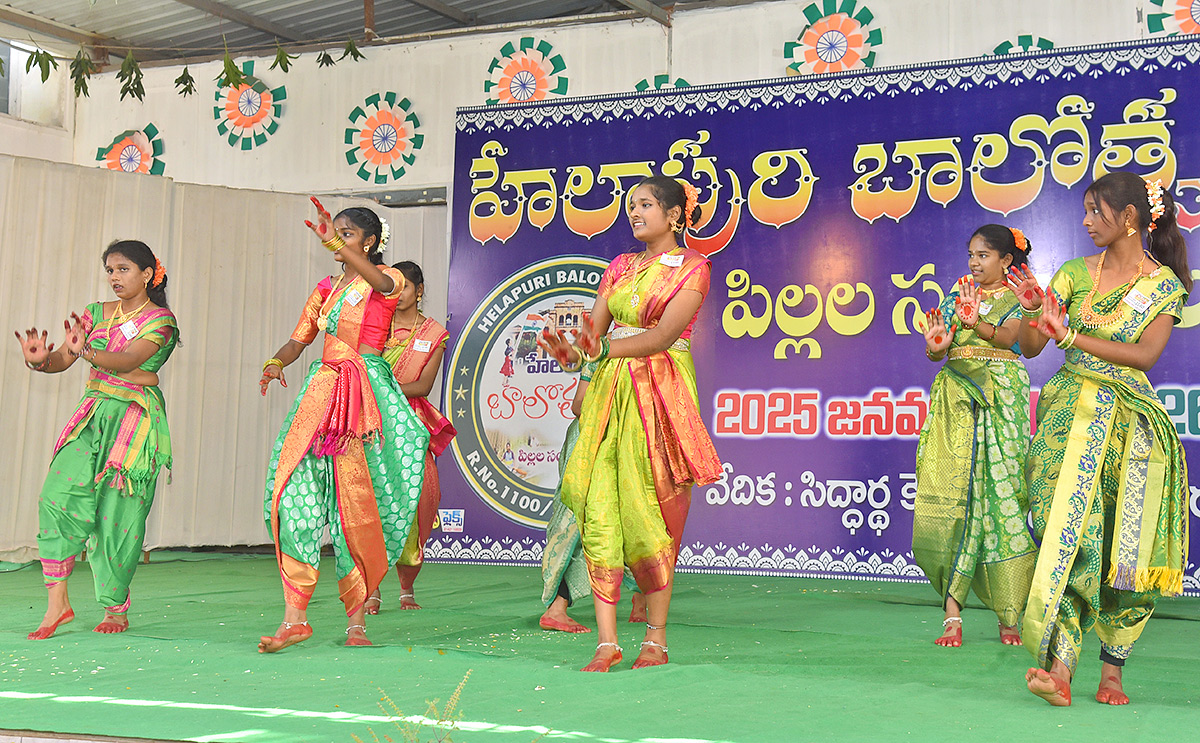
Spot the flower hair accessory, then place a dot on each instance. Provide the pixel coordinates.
(385, 233)
(1019, 239)
(1154, 190)
(160, 273)
(691, 199)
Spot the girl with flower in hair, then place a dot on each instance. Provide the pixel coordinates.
(1108, 484)
(642, 444)
(351, 453)
(969, 527)
(106, 461)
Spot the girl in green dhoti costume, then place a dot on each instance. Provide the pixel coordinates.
(102, 479)
(969, 519)
(1107, 479)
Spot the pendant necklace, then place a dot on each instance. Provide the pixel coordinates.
(323, 315)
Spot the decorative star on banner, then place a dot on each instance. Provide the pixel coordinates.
(384, 137)
(134, 151)
(526, 72)
(839, 36)
(248, 113)
(1174, 17)
(1023, 43)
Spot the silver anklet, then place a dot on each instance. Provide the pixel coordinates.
(948, 620)
(362, 627)
(289, 625)
(406, 596)
(654, 644)
(651, 626)
(609, 645)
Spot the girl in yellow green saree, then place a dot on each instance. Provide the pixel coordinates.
(642, 444)
(351, 453)
(106, 462)
(1107, 478)
(969, 515)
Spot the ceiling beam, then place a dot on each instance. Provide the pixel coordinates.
(99, 46)
(442, 9)
(221, 10)
(648, 9)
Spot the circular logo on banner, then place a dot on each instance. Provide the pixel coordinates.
(510, 402)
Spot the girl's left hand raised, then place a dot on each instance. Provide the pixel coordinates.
(323, 229)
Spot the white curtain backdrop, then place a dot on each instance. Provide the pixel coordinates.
(240, 265)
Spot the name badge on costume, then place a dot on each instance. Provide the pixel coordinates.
(129, 330)
(353, 297)
(1138, 301)
(984, 308)
(672, 261)
(422, 346)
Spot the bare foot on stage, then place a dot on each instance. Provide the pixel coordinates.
(1053, 688)
(356, 635)
(52, 621)
(607, 655)
(638, 613)
(1111, 691)
(288, 634)
(555, 618)
(652, 654)
(1009, 635)
(408, 600)
(373, 603)
(952, 634)
(112, 624)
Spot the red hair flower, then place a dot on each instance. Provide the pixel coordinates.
(1019, 239)
(160, 273)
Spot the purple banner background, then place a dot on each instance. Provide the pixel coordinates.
(820, 496)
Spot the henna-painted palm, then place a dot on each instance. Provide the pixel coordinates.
(77, 332)
(1025, 286)
(1052, 323)
(323, 229)
(557, 345)
(33, 346)
(937, 336)
(589, 338)
(966, 304)
(271, 372)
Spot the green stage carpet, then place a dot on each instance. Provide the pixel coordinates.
(752, 659)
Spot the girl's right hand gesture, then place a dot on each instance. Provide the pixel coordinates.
(937, 336)
(1025, 286)
(556, 345)
(34, 347)
(1052, 323)
(77, 332)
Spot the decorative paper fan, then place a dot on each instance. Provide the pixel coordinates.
(1023, 43)
(134, 151)
(526, 72)
(384, 137)
(1176, 17)
(660, 82)
(838, 37)
(248, 114)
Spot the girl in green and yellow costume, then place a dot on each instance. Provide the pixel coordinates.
(1107, 479)
(102, 478)
(351, 453)
(969, 527)
(642, 444)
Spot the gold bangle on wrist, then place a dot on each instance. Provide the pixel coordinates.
(1068, 340)
(272, 362)
(335, 243)
(571, 369)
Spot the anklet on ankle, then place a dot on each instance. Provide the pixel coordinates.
(654, 644)
(949, 620)
(406, 596)
(289, 625)
(609, 645)
(651, 626)
(362, 627)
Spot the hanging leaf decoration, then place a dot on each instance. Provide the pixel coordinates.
(231, 74)
(41, 59)
(352, 52)
(325, 60)
(130, 76)
(185, 83)
(283, 60)
(82, 68)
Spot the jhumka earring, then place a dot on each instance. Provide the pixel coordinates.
(1129, 231)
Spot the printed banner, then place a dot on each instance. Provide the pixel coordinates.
(835, 210)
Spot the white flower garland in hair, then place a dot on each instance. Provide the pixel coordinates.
(385, 233)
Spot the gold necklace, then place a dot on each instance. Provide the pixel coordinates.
(636, 298)
(1088, 317)
(323, 314)
(120, 316)
(993, 292)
